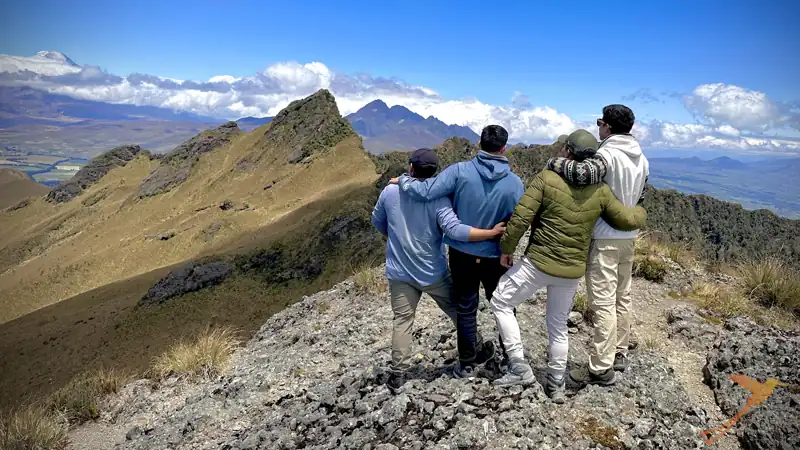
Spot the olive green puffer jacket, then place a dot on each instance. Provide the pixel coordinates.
(563, 217)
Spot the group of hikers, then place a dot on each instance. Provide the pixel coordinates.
(583, 215)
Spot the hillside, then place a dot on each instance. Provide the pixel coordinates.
(765, 184)
(16, 186)
(386, 129)
(282, 209)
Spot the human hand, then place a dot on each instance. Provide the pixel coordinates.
(394, 180)
(499, 229)
(507, 260)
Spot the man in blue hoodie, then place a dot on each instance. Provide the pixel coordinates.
(484, 192)
(415, 254)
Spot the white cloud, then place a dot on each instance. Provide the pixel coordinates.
(727, 115)
(742, 108)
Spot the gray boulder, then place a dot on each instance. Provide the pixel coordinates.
(192, 277)
(761, 354)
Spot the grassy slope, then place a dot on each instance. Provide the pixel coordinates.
(15, 186)
(56, 252)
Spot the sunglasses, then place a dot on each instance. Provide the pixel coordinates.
(600, 122)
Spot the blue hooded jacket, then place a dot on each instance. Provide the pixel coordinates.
(484, 192)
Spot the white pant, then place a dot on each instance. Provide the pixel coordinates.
(518, 285)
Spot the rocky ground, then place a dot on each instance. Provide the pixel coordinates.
(314, 377)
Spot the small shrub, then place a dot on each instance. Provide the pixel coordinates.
(79, 400)
(771, 282)
(226, 205)
(651, 342)
(204, 356)
(650, 267)
(581, 302)
(323, 307)
(370, 280)
(32, 428)
(601, 434)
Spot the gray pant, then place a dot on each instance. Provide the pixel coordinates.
(405, 297)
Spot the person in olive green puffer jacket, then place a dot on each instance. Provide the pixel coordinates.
(562, 217)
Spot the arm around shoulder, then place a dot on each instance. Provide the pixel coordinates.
(619, 216)
(439, 186)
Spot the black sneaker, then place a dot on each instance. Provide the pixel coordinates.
(464, 371)
(584, 376)
(486, 353)
(620, 362)
(395, 381)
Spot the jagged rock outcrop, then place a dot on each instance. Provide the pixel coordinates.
(685, 324)
(91, 173)
(177, 164)
(313, 377)
(760, 354)
(305, 127)
(192, 277)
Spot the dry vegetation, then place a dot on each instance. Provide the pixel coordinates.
(370, 280)
(79, 401)
(204, 356)
(653, 255)
(32, 428)
(764, 290)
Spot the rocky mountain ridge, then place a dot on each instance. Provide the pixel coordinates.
(313, 377)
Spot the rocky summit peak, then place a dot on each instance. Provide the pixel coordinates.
(305, 127)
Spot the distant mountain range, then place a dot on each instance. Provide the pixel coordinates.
(36, 121)
(398, 128)
(767, 183)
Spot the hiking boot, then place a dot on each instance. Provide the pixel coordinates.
(464, 371)
(519, 372)
(555, 390)
(620, 362)
(486, 353)
(584, 376)
(395, 381)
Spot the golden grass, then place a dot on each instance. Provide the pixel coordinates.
(79, 400)
(679, 252)
(771, 283)
(650, 267)
(204, 356)
(370, 280)
(32, 428)
(726, 301)
(651, 342)
(581, 302)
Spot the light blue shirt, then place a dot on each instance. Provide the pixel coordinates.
(484, 191)
(415, 248)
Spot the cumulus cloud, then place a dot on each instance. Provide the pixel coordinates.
(742, 108)
(726, 113)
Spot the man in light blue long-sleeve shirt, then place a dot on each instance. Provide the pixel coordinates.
(415, 252)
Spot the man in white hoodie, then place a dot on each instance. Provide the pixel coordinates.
(611, 255)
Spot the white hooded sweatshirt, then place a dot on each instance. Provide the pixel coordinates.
(626, 176)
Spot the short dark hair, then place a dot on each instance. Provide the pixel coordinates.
(619, 118)
(426, 171)
(493, 138)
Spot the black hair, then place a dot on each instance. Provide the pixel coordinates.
(493, 138)
(424, 171)
(619, 118)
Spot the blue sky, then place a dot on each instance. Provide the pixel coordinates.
(572, 56)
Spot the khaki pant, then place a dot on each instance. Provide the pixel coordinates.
(405, 297)
(608, 287)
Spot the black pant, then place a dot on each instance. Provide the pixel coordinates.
(468, 273)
